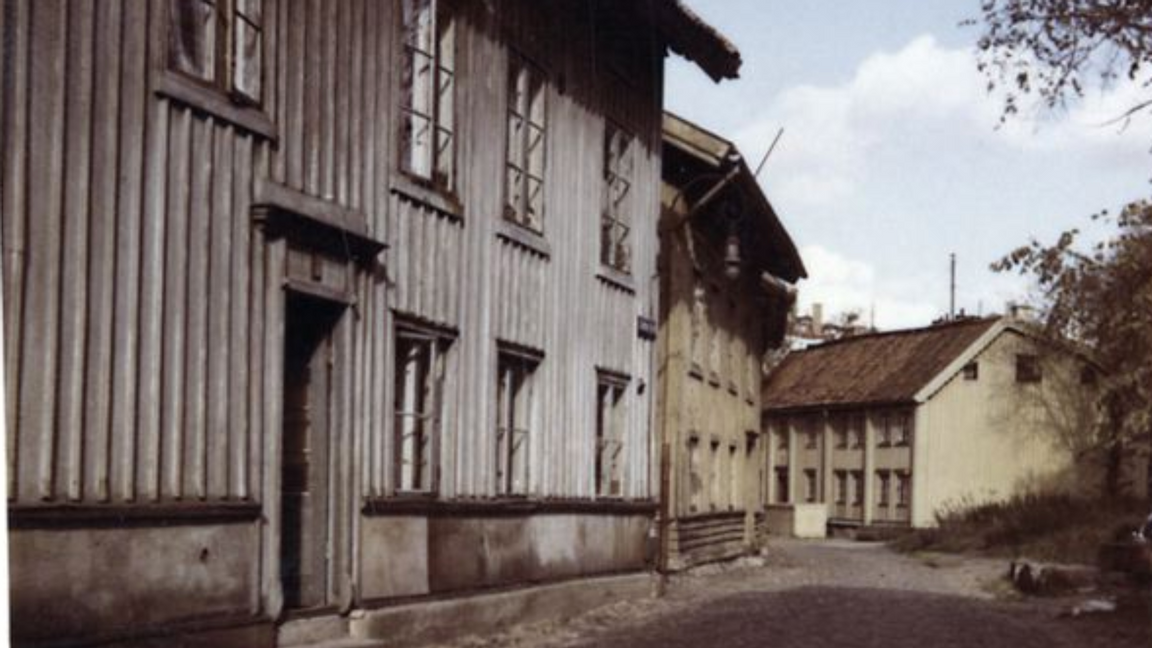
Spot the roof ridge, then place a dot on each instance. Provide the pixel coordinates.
(990, 319)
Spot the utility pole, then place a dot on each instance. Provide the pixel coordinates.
(952, 290)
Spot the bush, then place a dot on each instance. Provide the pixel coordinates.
(1058, 528)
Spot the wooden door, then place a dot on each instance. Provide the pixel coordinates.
(305, 479)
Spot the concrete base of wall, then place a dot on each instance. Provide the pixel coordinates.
(797, 520)
(426, 622)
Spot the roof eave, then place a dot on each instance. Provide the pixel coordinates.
(689, 36)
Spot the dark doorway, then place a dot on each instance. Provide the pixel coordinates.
(308, 401)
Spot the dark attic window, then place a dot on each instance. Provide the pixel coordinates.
(971, 371)
(1027, 368)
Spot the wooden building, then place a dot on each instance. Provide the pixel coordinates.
(891, 428)
(726, 269)
(313, 307)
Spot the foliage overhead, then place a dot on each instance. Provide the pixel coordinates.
(1055, 49)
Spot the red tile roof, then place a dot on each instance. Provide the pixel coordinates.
(878, 368)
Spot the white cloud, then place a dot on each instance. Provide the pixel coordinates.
(842, 284)
(925, 96)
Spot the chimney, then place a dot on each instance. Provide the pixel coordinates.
(817, 319)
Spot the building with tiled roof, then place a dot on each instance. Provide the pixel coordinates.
(891, 428)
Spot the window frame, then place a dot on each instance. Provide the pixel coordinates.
(217, 95)
(513, 472)
(883, 488)
(521, 66)
(431, 384)
(971, 371)
(619, 166)
(811, 486)
(611, 419)
(903, 489)
(441, 174)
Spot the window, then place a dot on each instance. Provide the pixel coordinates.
(695, 477)
(811, 436)
(841, 431)
(1027, 368)
(884, 438)
(733, 478)
(781, 485)
(615, 224)
(857, 488)
(427, 91)
(418, 405)
(219, 43)
(810, 490)
(903, 489)
(524, 171)
(902, 429)
(714, 476)
(841, 487)
(610, 436)
(514, 421)
(971, 371)
(782, 437)
(882, 483)
(856, 430)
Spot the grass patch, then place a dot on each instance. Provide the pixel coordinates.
(1056, 528)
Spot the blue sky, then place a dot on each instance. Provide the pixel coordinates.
(891, 158)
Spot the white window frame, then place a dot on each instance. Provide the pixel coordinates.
(526, 143)
(611, 420)
(418, 408)
(615, 213)
(428, 93)
(515, 421)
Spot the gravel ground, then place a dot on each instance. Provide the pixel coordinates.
(841, 593)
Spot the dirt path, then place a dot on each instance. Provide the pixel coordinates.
(839, 593)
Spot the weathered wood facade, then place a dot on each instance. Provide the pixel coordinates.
(726, 269)
(210, 425)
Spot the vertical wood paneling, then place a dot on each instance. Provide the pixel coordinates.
(102, 258)
(238, 333)
(134, 99)
(195, 431)
(42, 282)
(152, 299)
(73, 293)
(219, 307)
(13, 176)
(176, 302)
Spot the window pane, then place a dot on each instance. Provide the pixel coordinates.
(247, 61)
(253, 10)
(192, 38)
(445, 99)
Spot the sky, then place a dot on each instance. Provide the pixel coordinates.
(891, 157)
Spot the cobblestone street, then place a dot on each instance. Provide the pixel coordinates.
(839, 593)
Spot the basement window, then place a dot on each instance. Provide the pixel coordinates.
(428, 93)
